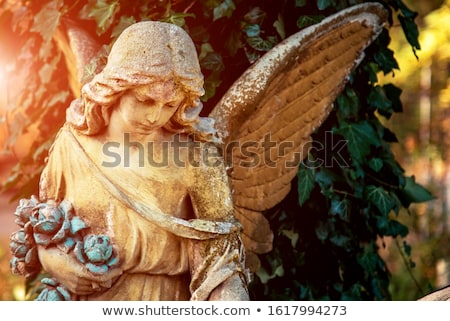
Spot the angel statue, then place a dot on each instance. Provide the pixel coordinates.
(144, 199)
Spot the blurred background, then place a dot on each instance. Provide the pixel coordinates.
(423, 151)
(423, 130)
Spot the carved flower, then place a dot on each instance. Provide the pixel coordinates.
(53, 224)
(97, 253)
(24, 210)
(25, 260)
(53, 291)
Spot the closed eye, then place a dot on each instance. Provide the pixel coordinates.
(146, 100)
(175, 103)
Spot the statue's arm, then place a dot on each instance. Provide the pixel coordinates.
(217, 265)
(208, 185)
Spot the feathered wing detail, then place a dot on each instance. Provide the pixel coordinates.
(267, 116)
(78, 48)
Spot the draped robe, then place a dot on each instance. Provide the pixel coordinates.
(188, 246)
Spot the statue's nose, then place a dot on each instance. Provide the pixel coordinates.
(155, 112)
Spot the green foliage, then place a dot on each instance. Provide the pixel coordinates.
(340, 213)
(328, 228)
(305, 178)
(102, 12)
(406, 18)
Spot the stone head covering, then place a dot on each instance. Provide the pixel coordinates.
(152, 50)
(145, 52)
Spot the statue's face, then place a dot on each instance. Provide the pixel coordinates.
(144, 109)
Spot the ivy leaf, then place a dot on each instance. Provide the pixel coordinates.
(381, 199)
(407, 248)
(305, 180)
(29, 187)
(225, 9)
(323, 4)
(205, 49)
(252, 30)
(279, 26)
(260, 44)
(292, 236)
(393, 94)
(46, 72)
(13, 179)
(178, 18)
(353, 294)
(372, 69)
(300, 3)
(348, 103)
(59, 97)
(42, 151)
(408, 13)
(384, 57)
(212, 61)
(322, 231)
(341, 208)
(389, 136)
(391, 227)
(255, 16)
(376, 164)
(252, 55)
(306, 21)
(389, 160)
(340, 240)
(47, 20)
(21, 20)
(211, 84)
(265, 277)
(411, 32)
(413, 193)
(233, 43)
(369, 259)
(325, 178)
(379, 288)
(360, 137)
(102, 12)
(377, 99)
(124, 22)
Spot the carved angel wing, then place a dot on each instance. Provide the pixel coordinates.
(79, 48)
(267, 116)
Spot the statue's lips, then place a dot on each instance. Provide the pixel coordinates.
(146, 125)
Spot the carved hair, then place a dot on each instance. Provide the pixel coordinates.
(145, 53)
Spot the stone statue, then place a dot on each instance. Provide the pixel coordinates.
(143, 199)
(441, 294)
